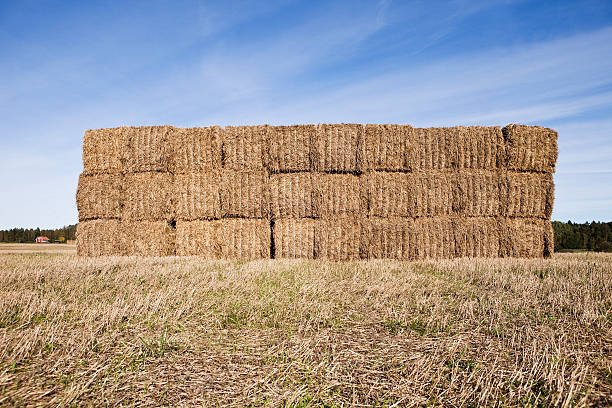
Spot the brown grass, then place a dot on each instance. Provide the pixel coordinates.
(185, 331)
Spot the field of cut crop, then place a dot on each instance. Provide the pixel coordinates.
(185, 331)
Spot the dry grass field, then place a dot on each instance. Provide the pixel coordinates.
(184, 331)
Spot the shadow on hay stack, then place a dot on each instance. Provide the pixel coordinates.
(330, 191)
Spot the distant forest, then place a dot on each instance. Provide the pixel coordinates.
(29, 235)
(591, 236)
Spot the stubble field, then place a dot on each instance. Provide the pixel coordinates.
(186, 331)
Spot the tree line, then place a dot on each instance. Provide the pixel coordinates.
(592, 236)
(22, 235)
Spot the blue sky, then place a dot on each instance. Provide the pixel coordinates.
(67, 66)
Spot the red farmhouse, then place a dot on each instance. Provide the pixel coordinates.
(42, 240)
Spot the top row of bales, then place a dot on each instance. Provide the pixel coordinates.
(334, 148)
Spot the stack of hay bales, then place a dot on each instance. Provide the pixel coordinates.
(328, 191)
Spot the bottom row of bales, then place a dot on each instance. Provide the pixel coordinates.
(333, 239)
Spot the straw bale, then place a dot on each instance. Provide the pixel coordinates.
(338, 148)
(149, 148)
(338, 195)
(477, 193)
(338, 239)
(103, 151)
(148, 238)
(148, 196)
(199, 237)
(431, 193)
(530, 148)
(477, 237)
(435, 148)
(294, 238)
(197, 195)
(526, 238)
(245, 148)
(99, 238)
(528, 194)
(291, 195)
(290, 147)
(389, 238)
(388, 147)
(244, 239)
(479, 147)
(245, 194)
(389, 194)
(99, 196)
(196, 149)
(435, 238)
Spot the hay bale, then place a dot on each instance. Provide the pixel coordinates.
(149, 148)
(338, 239)
(477, 193)
(435, 148)
(197, 195)
(245, 194)
(388, 147)
(479, 147)
(476, 237)
(528, 195)
(148, 238)
(339, 195)
(389, 194)
(294, 238)
(338, 148)
(103, 151)
(389, 238)
(196, 150)
(291, 195)
(289, 147)
(530, 148)
(430, 194)
(526, 238)
(245, 148)
(99, 238)
(99, 196)
(148, 196)
(244, 239)
(199, 237)
(435, 238)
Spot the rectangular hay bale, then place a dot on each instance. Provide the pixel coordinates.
(294, 238)
(527, 238)
(338, 195)
(99, 238)
(291, 195)
(103, 151)
(530, 148)
(338, 148)
(289, 147)
(528, 195)
(99, 196)
(430, 193)
(197, 195)
(388, 147)
(435, 238)
(338, 239)
(477, 237)
(244, 239)
(196, 149)
(389, 238)
(198, 237)
(149, 148)
(245, 148)
(245, 194)
(148, 196)
(148, 238)
(477, 193)
(389, 194)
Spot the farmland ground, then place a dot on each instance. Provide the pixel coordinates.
(185, 331)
